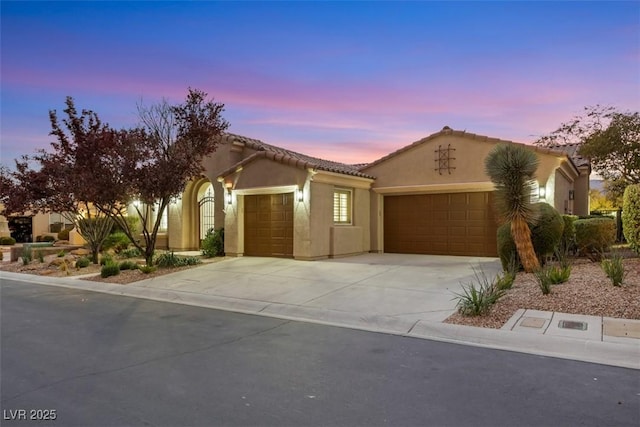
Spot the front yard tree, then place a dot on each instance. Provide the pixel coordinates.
(149, 168)
(511, 168)
(59, 180)
(610, 139)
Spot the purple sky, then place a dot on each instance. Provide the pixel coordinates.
(347, 81)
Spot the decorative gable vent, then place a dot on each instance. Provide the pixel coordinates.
(443, 159)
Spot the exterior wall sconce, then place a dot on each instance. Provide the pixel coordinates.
(136, 203)
(542, 192)
(300, 194)
(572, 194)
(229, 197)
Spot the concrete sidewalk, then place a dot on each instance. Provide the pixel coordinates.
(406, 295)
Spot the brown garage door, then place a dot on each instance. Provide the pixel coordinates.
(268, 225)
(440, 224)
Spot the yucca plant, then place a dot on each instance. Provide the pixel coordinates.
(614, 269)
(511, 168)
(544, 280)
(474, 301)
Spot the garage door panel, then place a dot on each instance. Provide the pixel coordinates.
(269, 225)
(453, 224)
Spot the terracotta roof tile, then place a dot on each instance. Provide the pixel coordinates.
(291, 158)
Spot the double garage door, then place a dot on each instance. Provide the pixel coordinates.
(268, 225)
(440, 224)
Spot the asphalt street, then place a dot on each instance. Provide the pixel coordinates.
(91, 359)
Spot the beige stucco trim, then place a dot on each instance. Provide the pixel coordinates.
(325, 177)
(437, 188)
(267, 190)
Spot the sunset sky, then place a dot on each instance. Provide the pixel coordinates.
(346, 81)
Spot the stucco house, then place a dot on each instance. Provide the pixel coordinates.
(429, 197)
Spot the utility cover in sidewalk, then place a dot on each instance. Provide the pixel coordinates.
(622, 328)
(532, 322)
(570, 324)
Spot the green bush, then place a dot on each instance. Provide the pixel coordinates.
(9, 241)
(171, 260)
(27, 254)
(146, 269)
(568, 240)
(559, 274)
(64, 234)
(128, 265)
(474, 301)
(130, 253)
(106, 259)
(546, 235)
(614, 269)
(505, 281)
(117, 241)
(544, 280)
(594, 236)
(45, 238)
(83, 262)
(213, 243)
(40, 256)
(631, 216)
(110, 269)
(61, 253)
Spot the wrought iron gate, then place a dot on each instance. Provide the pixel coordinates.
(207, 212)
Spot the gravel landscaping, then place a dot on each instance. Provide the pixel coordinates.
(588, 291)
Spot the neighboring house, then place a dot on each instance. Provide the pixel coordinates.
(430, 197)
(27, 227)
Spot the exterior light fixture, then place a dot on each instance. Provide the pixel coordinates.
(136, 203)
(572, 194)
(300, 194)
(542, 191)
(229, 198)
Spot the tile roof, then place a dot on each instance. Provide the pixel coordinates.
(448, 131)
(289, 157)
(571, 150)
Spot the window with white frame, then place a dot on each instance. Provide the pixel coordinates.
(342, 201)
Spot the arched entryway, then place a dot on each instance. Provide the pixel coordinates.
(206, 209)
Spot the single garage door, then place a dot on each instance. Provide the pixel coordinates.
(268, 225)
(440, 224)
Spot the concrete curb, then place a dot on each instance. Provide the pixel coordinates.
(606, 353)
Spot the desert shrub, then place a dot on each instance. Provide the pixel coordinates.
(631, 216)
(213, 243)
(544, 280)
(128, 265)
(117, 241)
(64, 234)
(595, 236)
(27, 254)
(40, 256)
(83, 262)
(478, 296)
(568, 239)
(110, 269)
(559, 274)
(171, 260)
(505, 280)
(130, 253)
(106, 259)
(614, 269)
(61, 254)
(9, 241)
(147, 269)
(48, 238)
(546, 234)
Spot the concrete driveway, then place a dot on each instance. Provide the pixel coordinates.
(407, 288)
